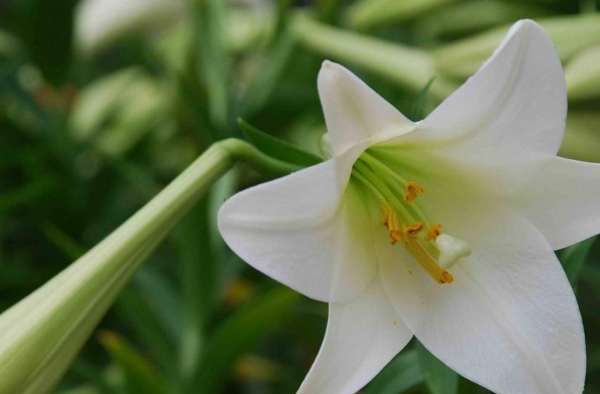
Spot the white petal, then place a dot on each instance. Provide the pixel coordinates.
(300, 231)
(515, 104)
(509, 321)
(353, 111)
(362, 337)
(563, 200)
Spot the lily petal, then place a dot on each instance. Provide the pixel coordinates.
(516, 103)
(561, 200)
(509, 321)
(353, 111)
(362, 336)
(300, 231)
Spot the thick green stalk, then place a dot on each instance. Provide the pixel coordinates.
(40, 335)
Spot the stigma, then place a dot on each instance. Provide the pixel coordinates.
(405, 222)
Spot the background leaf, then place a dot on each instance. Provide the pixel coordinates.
(438, 377)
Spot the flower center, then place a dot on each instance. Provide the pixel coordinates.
(404, 219)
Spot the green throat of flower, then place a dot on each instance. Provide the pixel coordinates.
(405, 221)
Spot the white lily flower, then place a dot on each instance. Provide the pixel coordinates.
(362, 230)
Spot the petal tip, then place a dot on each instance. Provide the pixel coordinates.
(527, 26)
(328, 65)
(330, 71)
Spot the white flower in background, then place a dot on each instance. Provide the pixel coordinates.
(98, 22)
(443, 229)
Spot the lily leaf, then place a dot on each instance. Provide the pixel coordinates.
(238, 334)
(438, 377)
(276, 147)
(140, 375)
(573, 259)
(402, 373)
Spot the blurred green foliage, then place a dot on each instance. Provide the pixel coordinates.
(94, 121)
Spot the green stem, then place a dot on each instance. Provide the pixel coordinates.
(41, 334)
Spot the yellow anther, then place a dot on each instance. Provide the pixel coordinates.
(412, 190)
(390, 222)
(413, 229)
(434, 231)
(446, 277)
(395, 236)
(386, 213)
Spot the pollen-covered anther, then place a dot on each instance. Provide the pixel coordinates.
(412, 190)
(390, 222)
(387, 214)
(413, 229)
(446, 277)
(434, 231)
(395, 236)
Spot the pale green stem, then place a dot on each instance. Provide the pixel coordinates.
(409, 67)
(40, 335)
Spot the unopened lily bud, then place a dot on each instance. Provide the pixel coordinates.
(369, 13)
(117, 110)
(583, 75)
(582, 137)
(570, 34)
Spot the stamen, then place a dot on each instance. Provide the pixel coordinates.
(428, 263)
(390, 221)
(434, 232)
(409, 234)
(405, 222)
(412, 190)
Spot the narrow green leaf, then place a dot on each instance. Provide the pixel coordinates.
(573, 258)
(276, 147)
(140, 375)
(212, 50)
(133, 309)
(273, 64)
(438, 377)
(239, 334)
(197, 277)
(402, 373)
(62, 241)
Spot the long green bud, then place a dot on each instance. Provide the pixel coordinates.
(40, 335)
(411, 68)
(570, 34)
(583, 75)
